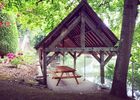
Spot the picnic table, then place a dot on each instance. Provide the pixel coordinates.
(65, 72)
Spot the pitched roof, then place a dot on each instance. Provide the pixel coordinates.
(97, 33)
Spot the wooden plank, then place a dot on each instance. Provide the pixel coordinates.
(63, 77)
(64, 33)
(78, 49)
(82, 30)
(102, 67)
(98, 33)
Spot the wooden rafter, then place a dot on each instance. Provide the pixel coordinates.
(82, 30)
(73, 41)
(98, 32)
(64, 33)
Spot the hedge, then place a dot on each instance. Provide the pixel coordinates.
(8, 34)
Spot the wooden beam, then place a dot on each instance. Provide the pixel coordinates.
(82, 30)
(96, 56)
(98, 33)
(64, 33)
(102, 67)
(108, 59)
(51, 58)
(71, 54)
(62, 53)
(79, 54)
(78, 49)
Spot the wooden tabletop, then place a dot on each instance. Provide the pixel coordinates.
(59, 69)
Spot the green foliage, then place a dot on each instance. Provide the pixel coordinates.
(29, 57)
(110, 11)
(36, 39)
(8, 33)
(136, 75)
(110, 71)
(44, 15)
(16, 61)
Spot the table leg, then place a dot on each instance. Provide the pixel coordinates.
(75, 77)
(59, 79)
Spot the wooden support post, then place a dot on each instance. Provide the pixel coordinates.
(40, 57)
(102, 67)
(63, 58)
(74, 57)
(84, 67)
(44, 68)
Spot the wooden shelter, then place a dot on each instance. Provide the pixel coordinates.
(82, 31)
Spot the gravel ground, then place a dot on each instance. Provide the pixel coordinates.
(19, 84)
(22, 72)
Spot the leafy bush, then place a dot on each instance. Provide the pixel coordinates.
(8, 33)
(28, 58)
(110, 71)
(16, 61)
(19, 59)
(136, 75)
(37, 38)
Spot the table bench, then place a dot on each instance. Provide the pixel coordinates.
(64, 70)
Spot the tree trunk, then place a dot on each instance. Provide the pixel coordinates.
(119, 86)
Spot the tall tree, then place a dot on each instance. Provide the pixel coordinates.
(121, 67)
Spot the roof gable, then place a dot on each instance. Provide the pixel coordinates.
(97, 34)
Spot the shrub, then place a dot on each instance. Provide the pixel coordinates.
(8, 33)
(16, 61)
(136, 75)
(110, 71)
(36, 39)
(29, 57)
